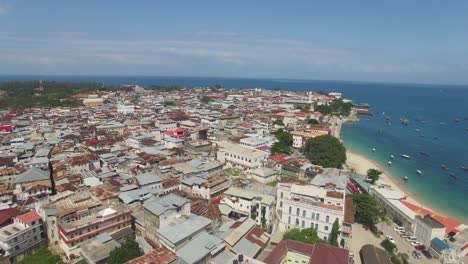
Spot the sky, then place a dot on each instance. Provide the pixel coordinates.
(390, 41)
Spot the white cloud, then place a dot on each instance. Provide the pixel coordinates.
(201, 53)
(4, 9)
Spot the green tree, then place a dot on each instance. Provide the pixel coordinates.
(334, 233)
(337, 107)
(41, 256)
(278, 122)
(307, 235)
(169, 103)
(313, 121)
(127, 251)
(326, 151)
(284, 143)
(205, 99)
(368, 211)
(373, 175)
(389, 246)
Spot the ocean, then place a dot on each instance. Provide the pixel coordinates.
(431, 109)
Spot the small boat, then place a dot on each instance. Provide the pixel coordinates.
(404, 121)
(392, 157)
(406, 157)
(453, 175)
(444, 167)
(421, 135)
(419, 172)
(389, 163)
(424, 153)
(417, 130)
(464, 168)
(435, 138)
(457, 120)
(373, 150)
(405, 178)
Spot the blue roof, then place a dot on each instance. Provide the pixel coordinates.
(438, 245)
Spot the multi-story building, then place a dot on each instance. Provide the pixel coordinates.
(308, 206)
(112, 127)
(300, 137)
(22, 236)
(166, 124)
(34, 182)
(427, 228)
(253, 142)
(211, 187)
(248, 203)
(91, 223)
(126, 108)
(240, 156)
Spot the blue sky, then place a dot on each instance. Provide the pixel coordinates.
(396, 41)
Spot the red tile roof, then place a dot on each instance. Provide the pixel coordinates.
(7, 214)
(279, 157)
(449, 223)
(29, 217)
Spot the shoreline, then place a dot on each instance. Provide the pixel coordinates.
(361, 164)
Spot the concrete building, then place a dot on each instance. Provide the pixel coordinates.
(34, 182)
(161, 212)
(98, 249)
(397, 211)
(240, 156)
(427, 228)
(242, 202)
(22, 236)
(211, 187)
(308, 206)
(111, 127)
(300, 137)
(166, 124)
(252, 142)
(264, 175)
(126, 109)
(91, 223)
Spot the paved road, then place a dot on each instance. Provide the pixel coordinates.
(404, 246)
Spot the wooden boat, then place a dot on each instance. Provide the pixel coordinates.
(405, 178)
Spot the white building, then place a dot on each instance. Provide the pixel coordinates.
(427, 228)
(24, 234)
(301, 137)
(256, 205)
(308, 206)
(237, 155)
(252, 142)
(126, 109)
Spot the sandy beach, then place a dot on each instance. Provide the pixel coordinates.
(361, 164)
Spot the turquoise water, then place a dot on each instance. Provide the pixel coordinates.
(426, 106)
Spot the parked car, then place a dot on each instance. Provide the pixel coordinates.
(404, 235)
(411, 238)
(427, 254)
(390, 238)
(416, 254)
(398, 228)
(415, 243)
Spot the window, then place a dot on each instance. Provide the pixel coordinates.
(303, 223)
(298, 211)
(336, 219)
(304, 213)
(326, 228)
(289, 220)
(281, 203)
(313, 215)
(297, 221)
(290, 209)
(316, 226)
(327, 218)
(317, 216)
(281, 195)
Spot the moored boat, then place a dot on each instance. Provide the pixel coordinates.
(389, 163)
(405, 178)
(444, 167)
(419, 172)
(406, 156)
(424, 153)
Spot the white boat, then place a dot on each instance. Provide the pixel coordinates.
(405, 178)
(406, 156)
(392, 157)
(419, 172)
(373, 150)
(389, 163)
